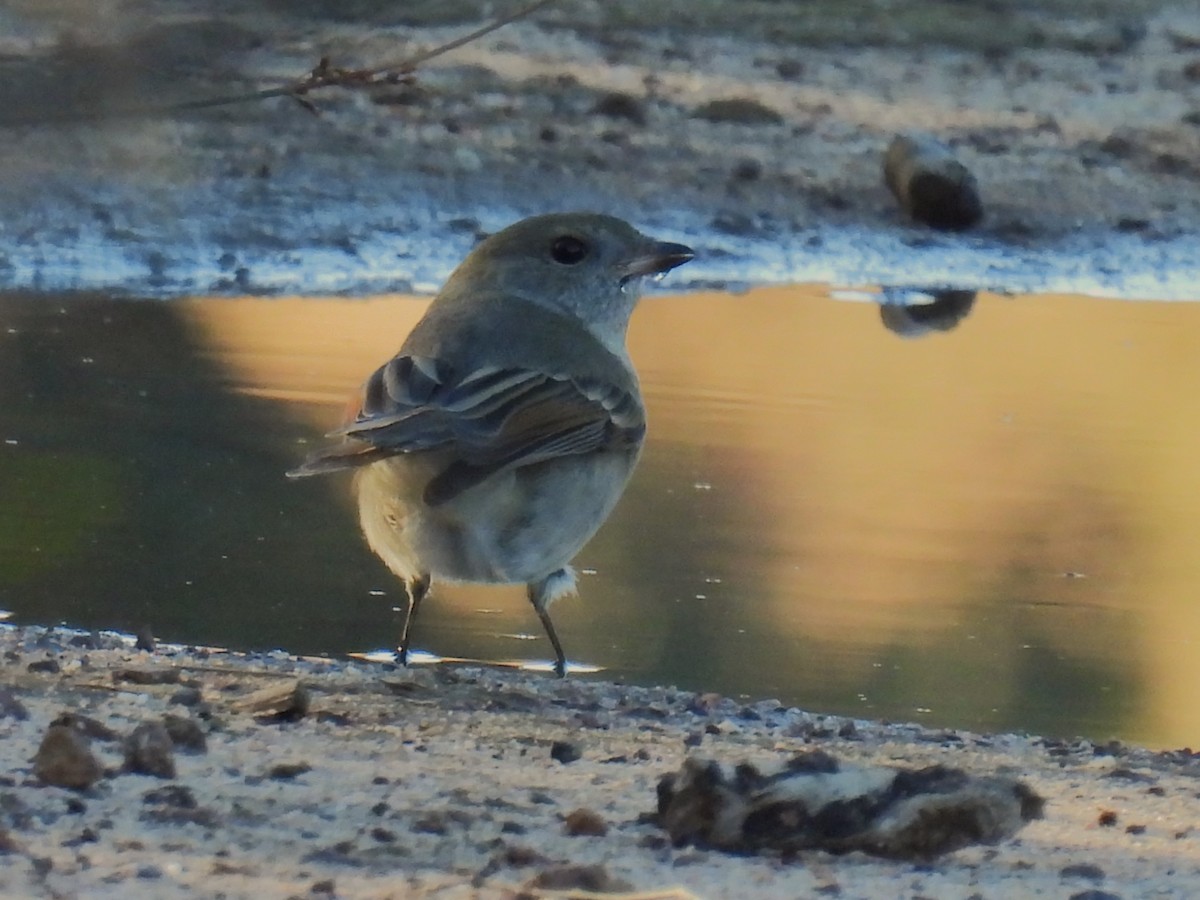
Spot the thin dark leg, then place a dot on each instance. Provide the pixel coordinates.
(415, 590)
(540, 595)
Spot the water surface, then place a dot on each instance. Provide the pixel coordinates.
(993, 526)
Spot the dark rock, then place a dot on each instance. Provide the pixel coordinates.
(48, 666)
(1107, 819)
(149, 750)
(65, 759)
(738, 111)
(1095, 894)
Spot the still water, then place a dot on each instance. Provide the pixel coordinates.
(995, 526)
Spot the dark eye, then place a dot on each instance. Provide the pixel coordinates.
(568, 250)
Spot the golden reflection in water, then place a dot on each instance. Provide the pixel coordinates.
(1046, 452)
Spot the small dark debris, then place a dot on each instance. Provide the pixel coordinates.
(1107, 819)
(186, 734)
(1135, 829)
(186, 696)
(287, 771)
(11, 707)
(541, 798)
(619, 105)
(47, 666)
(1094, 894)
(325, 886)
(148, 676)
(594, 879)
(170, 815)
(737, 111)
(747, 170)
(584, 822)
(177, 796)
(76, 807)
(565, 752)
(1090, 871)
(85, 836)
(383, 835)
(789, 69)
(149, 872)
(510, 827)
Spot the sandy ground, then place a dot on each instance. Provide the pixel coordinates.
(1083, 125)
(460, 782)
(753, 130)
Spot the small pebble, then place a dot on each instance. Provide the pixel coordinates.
(150, 751)
(65, 759)
(584, 822)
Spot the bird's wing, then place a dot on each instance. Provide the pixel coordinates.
(489, 418)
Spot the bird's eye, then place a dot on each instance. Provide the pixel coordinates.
(568, 250)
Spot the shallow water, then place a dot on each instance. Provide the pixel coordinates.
(993, 526)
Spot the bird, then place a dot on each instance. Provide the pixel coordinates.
(499, 438)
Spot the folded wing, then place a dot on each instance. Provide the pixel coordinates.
(488, 419)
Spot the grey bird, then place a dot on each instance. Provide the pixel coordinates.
(497, 441)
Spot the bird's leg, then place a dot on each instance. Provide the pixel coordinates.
(415, 590)
(541, 594)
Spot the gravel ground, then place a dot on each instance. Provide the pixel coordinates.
(300, 777)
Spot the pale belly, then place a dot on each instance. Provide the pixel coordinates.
(516, 527)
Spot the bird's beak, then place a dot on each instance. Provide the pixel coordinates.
(660, 256)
